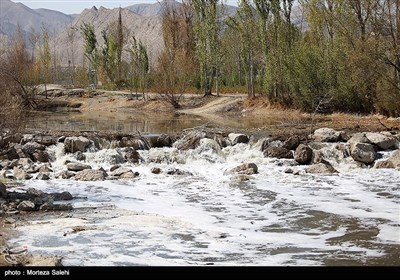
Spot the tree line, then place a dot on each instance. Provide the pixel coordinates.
(315, 55)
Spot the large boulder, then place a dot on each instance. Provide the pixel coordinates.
(129, 175)
(190, 140)
(303, 154)
(77, 166)
(321, 168)
(236, 138)
(32, 147)
(131, 155)
(119, 171)
(246, 169)
(363, 152)
(90, 175)
(327, 135)
(358, 138)
(292, 142)
(384, 142)
(278, 152)
(392, 162)
(26, 205)
(45, 140)
(75, 144)
(40, 156)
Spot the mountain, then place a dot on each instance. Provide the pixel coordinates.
(150, 10)
(146, 29)
(13, 14)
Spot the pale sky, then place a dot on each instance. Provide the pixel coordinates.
(77, 6)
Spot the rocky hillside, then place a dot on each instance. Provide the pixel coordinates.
(145, 29)
(13, 14)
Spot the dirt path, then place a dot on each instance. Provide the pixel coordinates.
(220, 104)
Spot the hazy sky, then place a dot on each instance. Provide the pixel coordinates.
(77, 6)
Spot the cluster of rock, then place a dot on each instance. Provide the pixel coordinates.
(32, 200)
(27, 156)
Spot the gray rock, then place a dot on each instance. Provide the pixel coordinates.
(75, 144)
(303, 154)
(90, 175)
(160, 141)
(114, 167)
(129, 175)
(80, 156)
(44, 168)
(62, 196)
(10, 220)
(392, 162)
(236, 138)
(32, 147)
(77, 166)
(26, 205)
(278, 152)
(55, 207)
(175, 171)
(119, 171)
(13, 163)
(131, 155)
(292, 142)
(363, 152)
(40, 156)
(45, 140)
(245, 169)
(358, 138)
(327, 135)
(384, 142)
(321, 168)
(3, 190)
(21, 174)
(25, 162)
(43, 176)
(189, 141)
(156, 170)
(66, 174)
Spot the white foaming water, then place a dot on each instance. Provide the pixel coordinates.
(208, 217)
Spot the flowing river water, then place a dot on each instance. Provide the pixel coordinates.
(207, 216)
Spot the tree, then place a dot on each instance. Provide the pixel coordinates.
(139, 65)
(207, 28)
(175, 66)
(90, 50)
(71, 52)
(45, 56)
(245, 24)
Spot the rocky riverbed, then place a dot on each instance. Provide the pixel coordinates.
(44, 173)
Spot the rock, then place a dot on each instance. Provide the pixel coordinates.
(131, 155)
(25, 162)
(35, 192)
(156, 170)
(3, 190)
(15, 152)
(10, 220)
(363, 152)
(246, 169)
(45, 140)
(278, 152)
(44, 261)
(61, 139)
(129, 175)
(75, 144)
(321, 168)
(45, 168)
(358, 138)
(392, 162)
(32, 147)
(90, 175)
(43, 176)
(292, 142)
(207, 144)
(119, 171)
(77, 166)
(21, 174)
(62, 196)
(288, 171)
(327, 135)
(55, 207)
(238, 138)
(40, 156)
(384, 142)
(175, 171)
(13, 163)
(80, 156)
(303, 154)
(114, 167)
(26, 205)
(189, 141)
(66, 174)
(161, 141)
